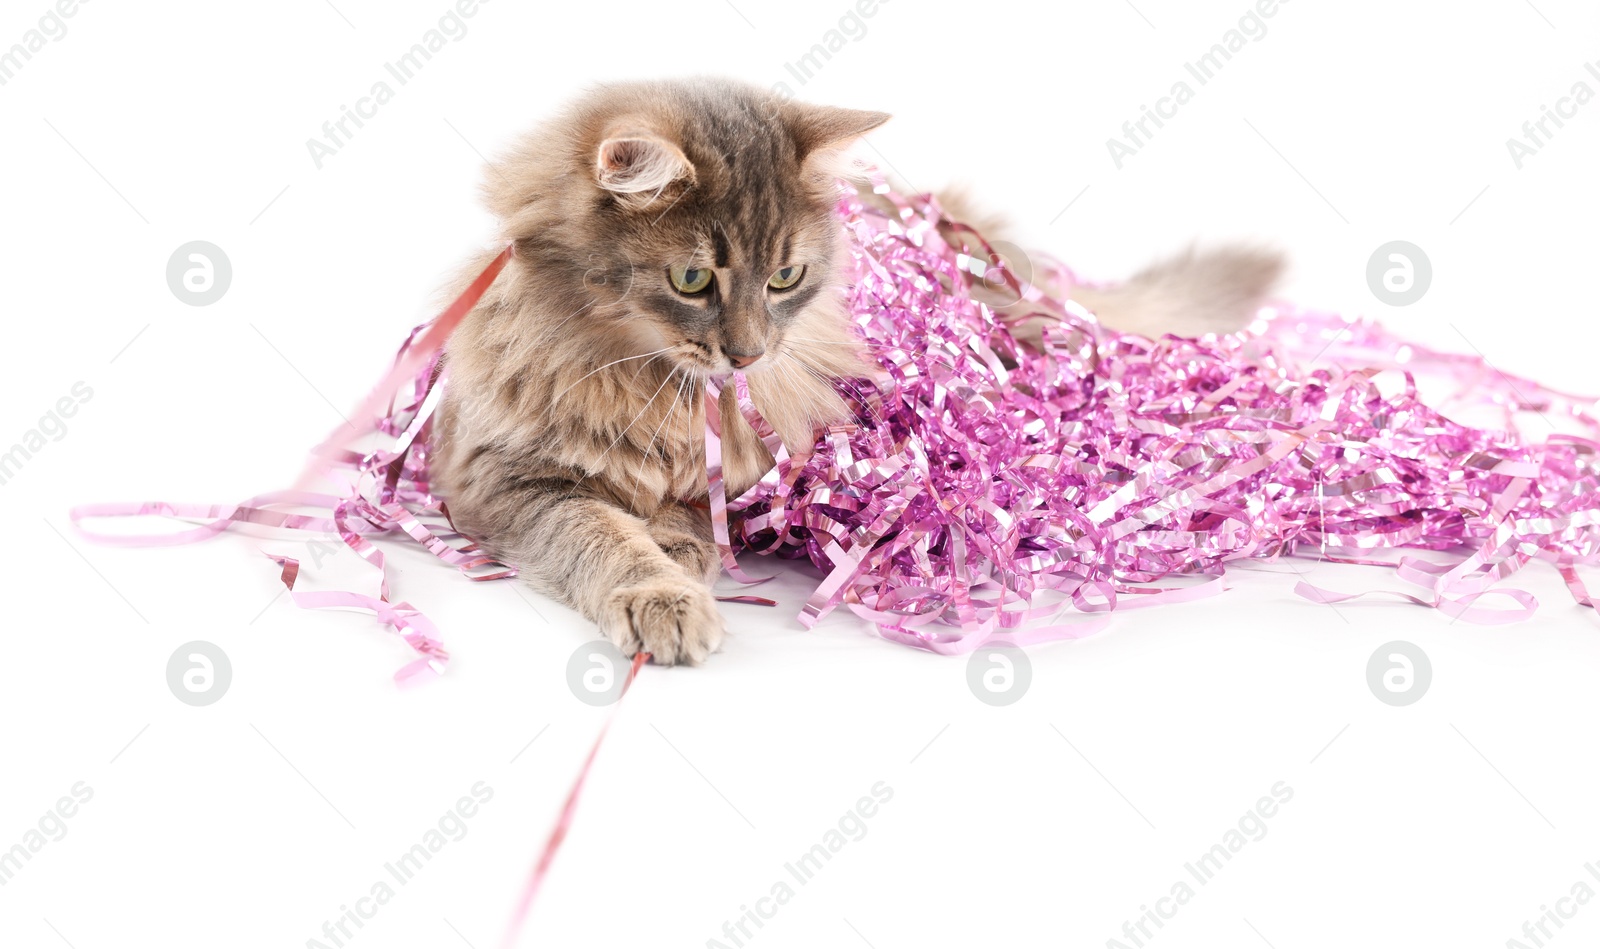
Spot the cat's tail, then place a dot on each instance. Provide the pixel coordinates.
(1217, 290)
(1197, 292)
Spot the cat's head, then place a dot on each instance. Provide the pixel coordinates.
(695, 217)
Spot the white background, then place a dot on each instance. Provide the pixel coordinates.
(1050, 822)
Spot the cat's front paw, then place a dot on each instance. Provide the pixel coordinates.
(674, 620)
(699, 558)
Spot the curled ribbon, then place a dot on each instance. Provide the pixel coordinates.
(387, 491)
(986, 486)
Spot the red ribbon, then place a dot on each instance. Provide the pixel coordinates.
(558, 833)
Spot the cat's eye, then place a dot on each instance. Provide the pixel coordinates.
(786, 277)
(689, 280)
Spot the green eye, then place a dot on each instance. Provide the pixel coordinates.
(689, 280)
(786, 278)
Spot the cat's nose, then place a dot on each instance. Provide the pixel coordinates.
(744, 360)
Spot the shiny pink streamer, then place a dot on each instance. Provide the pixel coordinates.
(987, 488)
(386, 492)
(984, 477)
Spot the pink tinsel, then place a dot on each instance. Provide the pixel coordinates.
(987, 477)
(988, 485)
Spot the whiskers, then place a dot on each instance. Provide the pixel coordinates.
(684, 379)
(639, 415)
(796, 370)
(821, 342)
(551, 331)
(786, 361)
(608, 365)
(693, 384)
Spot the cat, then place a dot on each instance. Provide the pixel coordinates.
(666, 232)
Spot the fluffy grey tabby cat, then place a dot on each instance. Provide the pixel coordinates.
(666, 232)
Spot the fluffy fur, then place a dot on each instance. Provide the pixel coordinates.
(570, 441)
(1195, 292)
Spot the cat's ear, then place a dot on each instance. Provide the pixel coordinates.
(821, 128)
(640, 165)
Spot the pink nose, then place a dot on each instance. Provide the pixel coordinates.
(744, 360)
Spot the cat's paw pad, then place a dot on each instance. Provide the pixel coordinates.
(673, 620)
